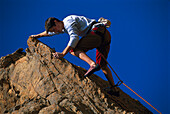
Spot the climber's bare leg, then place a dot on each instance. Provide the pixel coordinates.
(82, 55)
(109, 77)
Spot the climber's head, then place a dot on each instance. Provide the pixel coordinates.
(53, 24)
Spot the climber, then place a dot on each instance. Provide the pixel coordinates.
(93, 35)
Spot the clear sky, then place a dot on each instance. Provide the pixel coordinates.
(139, 47)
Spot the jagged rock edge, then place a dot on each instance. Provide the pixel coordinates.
(51, 50)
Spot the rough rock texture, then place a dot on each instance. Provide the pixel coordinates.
(36, 83)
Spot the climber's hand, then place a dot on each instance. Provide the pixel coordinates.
(35, 36)
(58, 55)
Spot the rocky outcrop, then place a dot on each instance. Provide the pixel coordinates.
(36, 83)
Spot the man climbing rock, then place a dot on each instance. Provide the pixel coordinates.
(93, 35)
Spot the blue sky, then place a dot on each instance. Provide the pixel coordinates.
(139, 48)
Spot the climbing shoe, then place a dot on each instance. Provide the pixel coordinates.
(112, 91)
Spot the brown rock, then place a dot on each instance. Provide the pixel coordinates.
(11, 58)
(52, 109)
(35, 82)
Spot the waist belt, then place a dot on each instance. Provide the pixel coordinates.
(94, 22)
(100, 33)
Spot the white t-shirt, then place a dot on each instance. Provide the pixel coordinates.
(76, 26)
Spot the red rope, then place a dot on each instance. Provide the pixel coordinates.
(141, 98)
(128, 86)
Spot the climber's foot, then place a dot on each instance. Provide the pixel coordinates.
(92, 69)
(112, 91)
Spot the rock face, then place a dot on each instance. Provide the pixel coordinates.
(36, 83)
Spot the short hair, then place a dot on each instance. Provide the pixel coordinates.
(49, 23)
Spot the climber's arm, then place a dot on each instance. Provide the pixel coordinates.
(66, 50)
(60, 55)
(43, 34)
